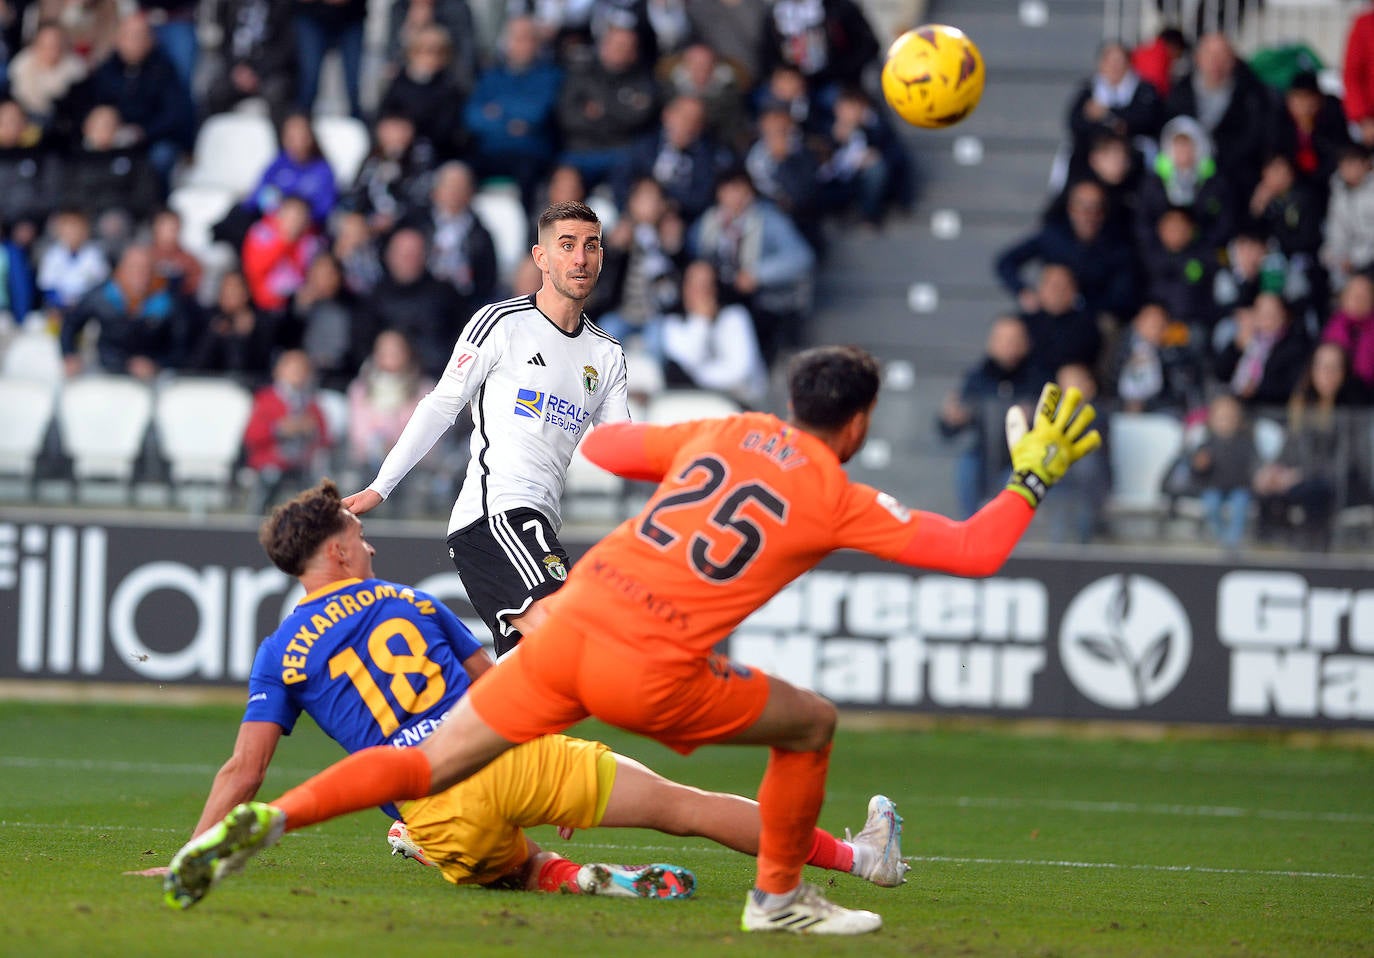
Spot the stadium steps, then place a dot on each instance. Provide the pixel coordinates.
(862, 291)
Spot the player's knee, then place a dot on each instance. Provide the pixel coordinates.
(822, 719)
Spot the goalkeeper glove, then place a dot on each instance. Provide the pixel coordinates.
(1057, 439)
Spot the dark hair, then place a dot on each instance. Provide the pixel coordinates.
(1353, 151)
(567, 211)
(295, 530)
(829, 384)
(315, 151)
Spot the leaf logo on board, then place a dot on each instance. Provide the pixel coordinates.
(1125, 641)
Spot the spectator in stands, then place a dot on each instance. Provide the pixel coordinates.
(286, 430)
(426, 91)
(1185, 175)
(511, 115)
(299, 169)
(671, 25)
(1159, 61)
(142, 83)
(140, 331)
(114, 183)
(1310, 130)
(1179, 269)
(1103, 264)
(830, 42)
(1005, 375)
(257, 57)
(734, 30)
(1111, 163)
(18, 293)
(1352, 328)
(28, 175)
(278, 252)
(73, 264)
(321, 26)
(1076, 513)
(710, 346)
(604, 105)
(174, 268)
(1348, 244)
(699, 71)
(867, 166)
(357, 254)
(640, 272)
(461, 250)
(1248, 269)
(411, 300)
(1292, 212)
(43, 72)
(394, 179)
(1113, 100)
(760, 258)
(237, 340)
(382, 398)
(90, 25)
(1062, 332)
(323, 321)
(680, 155)
(1324, 462)
(406, 18)
(1231, 103)
(174, 27)
(1223, 466)
(1155, 366)
(1358, 75)
(1264, 360)
(785, 88)
(784, 170)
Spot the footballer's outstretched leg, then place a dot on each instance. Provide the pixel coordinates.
(878, 846)
(221, 850)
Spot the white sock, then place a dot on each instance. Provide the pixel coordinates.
(770, 902)
(863, 858)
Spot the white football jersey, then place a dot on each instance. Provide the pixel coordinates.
(535, 391)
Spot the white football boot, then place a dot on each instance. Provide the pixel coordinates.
(878, 846)
(810, 913)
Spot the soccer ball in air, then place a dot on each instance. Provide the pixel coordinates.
(933, 76)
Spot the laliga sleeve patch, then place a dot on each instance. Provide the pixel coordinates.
(899, 512)
(461, 362)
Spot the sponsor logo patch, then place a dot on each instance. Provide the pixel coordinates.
(530, 403)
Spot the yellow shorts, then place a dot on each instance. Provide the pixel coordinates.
(474, 830)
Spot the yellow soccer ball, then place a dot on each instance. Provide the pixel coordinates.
(933, 76)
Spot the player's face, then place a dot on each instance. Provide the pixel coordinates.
(358, 551)
(571, 259)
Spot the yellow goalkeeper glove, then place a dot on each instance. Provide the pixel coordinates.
(1042, 454)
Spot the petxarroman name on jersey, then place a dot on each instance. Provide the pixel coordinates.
(552, 409)
(297, 651)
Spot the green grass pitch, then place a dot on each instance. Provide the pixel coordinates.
(1021, 845)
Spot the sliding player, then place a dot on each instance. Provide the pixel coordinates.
(744, 505)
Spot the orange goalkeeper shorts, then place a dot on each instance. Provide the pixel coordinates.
(557, 676)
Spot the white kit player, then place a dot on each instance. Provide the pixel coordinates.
(538, 375)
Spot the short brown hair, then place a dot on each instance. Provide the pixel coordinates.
(566, 211)
(295, 530)
(829, 384)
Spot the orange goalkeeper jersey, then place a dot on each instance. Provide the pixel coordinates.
(745, 504)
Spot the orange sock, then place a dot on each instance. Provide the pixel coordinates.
(371, 777)
(559, 874)
(790, 798)
(827, 851)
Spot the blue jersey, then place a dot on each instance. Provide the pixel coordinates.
(372, 662)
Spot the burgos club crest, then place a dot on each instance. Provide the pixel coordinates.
(590, 379)
(554, 565)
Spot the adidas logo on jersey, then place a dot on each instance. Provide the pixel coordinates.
(536, 360)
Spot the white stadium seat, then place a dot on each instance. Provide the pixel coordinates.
(200, 208)
(232, 150)
(34, 355)
(103, 421)
(683, 405)
(1142, 446)
(503, 216)
(200, 424)
(28, 409)
(345, 143)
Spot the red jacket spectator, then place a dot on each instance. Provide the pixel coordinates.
(1359, 75)
(286, 428)
(278, 252)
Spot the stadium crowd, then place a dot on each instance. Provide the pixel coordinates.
(1209, 256)
(714, 138)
